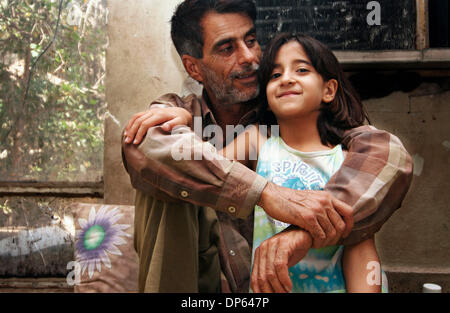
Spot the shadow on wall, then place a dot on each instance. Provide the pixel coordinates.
(378, 85)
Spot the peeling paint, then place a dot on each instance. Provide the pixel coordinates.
(33, 240)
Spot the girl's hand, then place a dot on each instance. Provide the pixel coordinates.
(140, 123)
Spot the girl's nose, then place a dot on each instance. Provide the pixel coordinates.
(286, 79)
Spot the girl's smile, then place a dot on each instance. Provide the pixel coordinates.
(289, 93)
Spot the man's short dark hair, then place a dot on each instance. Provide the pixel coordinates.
(186, 31)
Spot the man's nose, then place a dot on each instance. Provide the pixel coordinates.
(247, 55)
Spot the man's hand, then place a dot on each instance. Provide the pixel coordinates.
(140, 123)
(274, 257)
(326, 218)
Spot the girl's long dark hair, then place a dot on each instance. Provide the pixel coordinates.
(346, 111)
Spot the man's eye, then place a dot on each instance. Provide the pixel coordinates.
(226, 49)
(251, 42)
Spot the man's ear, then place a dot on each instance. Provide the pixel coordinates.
(192, 67)
(330, 89)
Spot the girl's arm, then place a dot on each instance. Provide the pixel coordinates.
(245, 147)
(360, 274)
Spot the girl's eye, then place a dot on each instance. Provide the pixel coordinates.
(302, 70)
(275, 75)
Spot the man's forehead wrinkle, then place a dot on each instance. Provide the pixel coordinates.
(217, 27)
(226, 35)
(234, 38)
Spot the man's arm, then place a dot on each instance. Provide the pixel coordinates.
(233, 188)
(184, 167)
(140, 122)
(205, 179)
(373, 180)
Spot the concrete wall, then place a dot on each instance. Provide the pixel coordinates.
(417, 236)
(141, 64)
(413, 244)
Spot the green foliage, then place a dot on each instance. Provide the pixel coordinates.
(56, 133)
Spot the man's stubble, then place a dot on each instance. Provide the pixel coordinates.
(225, 92)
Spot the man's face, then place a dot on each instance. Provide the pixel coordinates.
(231, 56)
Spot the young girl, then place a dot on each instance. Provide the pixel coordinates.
(305, 92)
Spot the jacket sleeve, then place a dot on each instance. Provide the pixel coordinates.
(374, 179)
(180, 166)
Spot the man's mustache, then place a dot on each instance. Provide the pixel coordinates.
(246, 71)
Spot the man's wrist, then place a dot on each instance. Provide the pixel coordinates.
(266, 195)
(307, 238)
(302, 234)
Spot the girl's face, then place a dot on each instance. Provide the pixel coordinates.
(296, 89)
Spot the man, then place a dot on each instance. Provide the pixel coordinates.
(186, 246)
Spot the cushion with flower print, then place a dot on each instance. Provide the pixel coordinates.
(105, 259)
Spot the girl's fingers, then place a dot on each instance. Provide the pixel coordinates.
(134, 118)
(177, 121)
(133, 129)
(149, 122)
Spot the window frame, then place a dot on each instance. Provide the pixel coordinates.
(60, 189)
(423, 57)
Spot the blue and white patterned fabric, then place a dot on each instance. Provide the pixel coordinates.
(321, 269)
